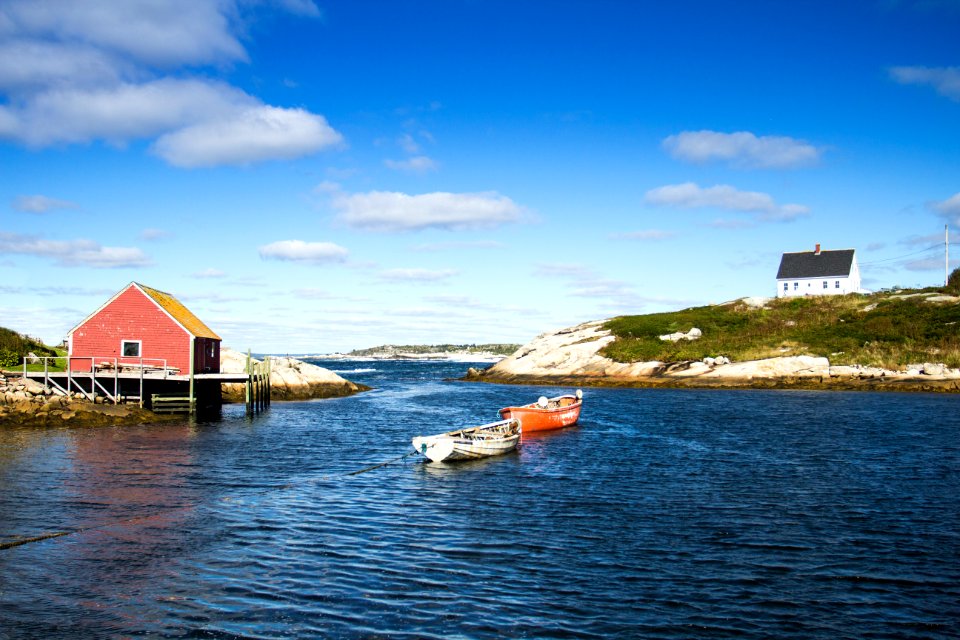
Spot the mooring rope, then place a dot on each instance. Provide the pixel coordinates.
(19, 541)
(382, 464)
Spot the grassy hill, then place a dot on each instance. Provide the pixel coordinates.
(888, 329)
(14, 346)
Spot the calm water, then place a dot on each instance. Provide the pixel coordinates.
(664, 514)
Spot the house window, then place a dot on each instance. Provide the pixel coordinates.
(824, 284)
(786, 286)
(796, 285)
(837, 285)
(130, 348)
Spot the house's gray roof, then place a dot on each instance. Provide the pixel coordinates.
(807, 264)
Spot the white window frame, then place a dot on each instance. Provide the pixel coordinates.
(837, 285)
(825, 284)
(124, 343)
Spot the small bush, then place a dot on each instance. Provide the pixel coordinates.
(953, 282)
(9, 358)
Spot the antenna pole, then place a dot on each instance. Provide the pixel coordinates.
(946, 254)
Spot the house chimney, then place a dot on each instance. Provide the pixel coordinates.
(816, 251)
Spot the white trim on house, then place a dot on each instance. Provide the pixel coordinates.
(123, 345)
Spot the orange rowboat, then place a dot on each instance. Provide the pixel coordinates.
(546, 413)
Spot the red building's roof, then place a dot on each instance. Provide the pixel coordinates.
(170, 305)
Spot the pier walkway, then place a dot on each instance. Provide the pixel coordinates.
(150, 383)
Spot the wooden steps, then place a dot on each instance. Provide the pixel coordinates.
(171, 404)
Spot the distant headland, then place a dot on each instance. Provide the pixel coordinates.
(455, 352)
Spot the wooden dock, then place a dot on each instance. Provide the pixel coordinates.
(152, 386)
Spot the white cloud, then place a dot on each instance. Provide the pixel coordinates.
(723, 223)
(173, 32)
(30, 65)
(408, 144)
(646, 234)
(252, 135)
(314, 294)
(416, 164)
(152, 235)
(926, 241)
(302, 8)
(300, 251)
(565, 270)
(929, 264)
(946, 80)
(691, 196)
(949, 209)
(75, 72)
(388, 211)
(417, 275)
(741, 149)
(123, 112)
(41, 204)
(73, 253)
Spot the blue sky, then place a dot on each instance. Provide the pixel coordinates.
(314, 176)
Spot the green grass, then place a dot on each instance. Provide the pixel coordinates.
(877, 330)
(14, 346)
(57, 364)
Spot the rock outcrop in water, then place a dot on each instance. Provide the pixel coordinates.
(290, 379)
(571, 357)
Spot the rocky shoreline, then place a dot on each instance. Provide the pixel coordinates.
(25, 403)
(570, 357)
(290, 379)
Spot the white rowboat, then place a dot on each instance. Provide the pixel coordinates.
(472, 442)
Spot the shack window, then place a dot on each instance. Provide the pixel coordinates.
(130, 348)
(211, 349)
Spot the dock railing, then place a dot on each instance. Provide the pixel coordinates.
(109, 368)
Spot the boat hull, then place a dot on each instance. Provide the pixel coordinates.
(494, 439)
(534, 418)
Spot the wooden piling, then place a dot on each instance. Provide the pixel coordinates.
(257, 395)
(193, 398)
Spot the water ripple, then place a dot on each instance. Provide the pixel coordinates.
(664, 514)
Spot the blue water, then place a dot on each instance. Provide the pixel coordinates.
(664, 514)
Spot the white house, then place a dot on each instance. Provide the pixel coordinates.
(818, 273)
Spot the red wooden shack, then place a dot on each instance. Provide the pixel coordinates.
(144, 327)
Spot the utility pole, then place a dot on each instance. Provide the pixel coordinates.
(946, 254)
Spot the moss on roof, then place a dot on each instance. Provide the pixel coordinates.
(180, 313)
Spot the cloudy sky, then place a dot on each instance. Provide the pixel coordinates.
(314, 176)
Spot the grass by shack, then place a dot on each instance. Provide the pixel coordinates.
(14, 347)
(888, 329)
